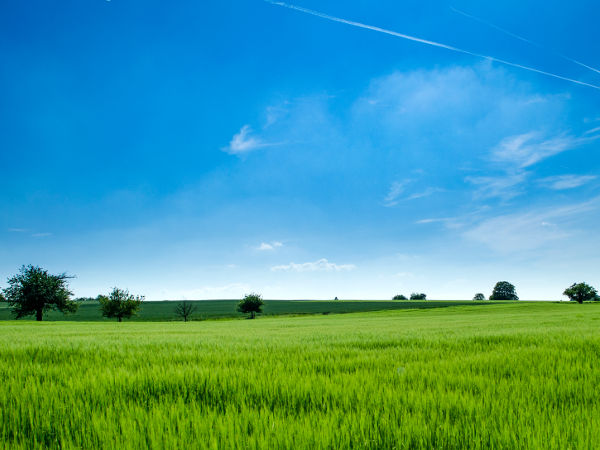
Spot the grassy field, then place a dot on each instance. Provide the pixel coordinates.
(509, 376)
(216, 309)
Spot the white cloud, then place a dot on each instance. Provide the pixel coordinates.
(396, 189)
(426, 193)
(503, 186)
(244, 142)
(524, 150)
(17, 230)
(265, 246)
(527, 231)
(37, 235)
(320, 265)
(561, 182)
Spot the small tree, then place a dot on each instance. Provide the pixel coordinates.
(120, 304)
(504, 291)
(479, 297)
(251, 303)
(399, 297)
(581, 292)
(185, 310)
(34, 291)
(417, 296)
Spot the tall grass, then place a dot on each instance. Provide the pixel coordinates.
(512, 376)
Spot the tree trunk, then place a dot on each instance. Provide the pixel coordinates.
(38, 315)
(252, 314)
(120, 319)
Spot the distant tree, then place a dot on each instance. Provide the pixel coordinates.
(251, 303)
(581, 292)
(336, 299)
(417, 296)
(120, 304)
(185, 310)
(504, 291)
(2, 299)
(34, 291)
(479, 297)
(399, 297)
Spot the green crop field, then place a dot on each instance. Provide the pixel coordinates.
(215, 309)
(516, 375)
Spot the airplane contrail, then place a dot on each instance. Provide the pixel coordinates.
(521, 38)
(426, 42)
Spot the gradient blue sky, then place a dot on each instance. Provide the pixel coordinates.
(208, 149)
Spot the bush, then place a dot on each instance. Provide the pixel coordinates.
(417, 296)
(479, 297)
(399, 297)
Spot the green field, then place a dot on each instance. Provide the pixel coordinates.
(516, 375)
(217, 309)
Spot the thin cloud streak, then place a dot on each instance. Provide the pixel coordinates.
(427, 42)
(521, 38)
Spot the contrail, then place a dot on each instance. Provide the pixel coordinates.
(427, 42)
(521, 38)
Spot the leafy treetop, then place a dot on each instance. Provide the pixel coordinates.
(504, 291)
(120, 304)
(581, 292)
(34, 291)
(251, 303)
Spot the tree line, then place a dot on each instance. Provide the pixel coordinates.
(34, 291)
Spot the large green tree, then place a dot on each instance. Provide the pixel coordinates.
(504, 291)
(251, 303)
(34, 291)
(581, 292)
(120, 304)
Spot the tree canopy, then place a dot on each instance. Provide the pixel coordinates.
(479, 297)
(504, 291)
(417, 296)
(34, 291)
(399, 297)
(251, 303)
(581, 292)
(120, 304)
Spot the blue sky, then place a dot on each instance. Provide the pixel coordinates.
(209, 149)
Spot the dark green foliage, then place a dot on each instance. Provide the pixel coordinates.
(251, 303)
(504, 291)
(185, 310)
(581, 292)
(34, 291)
(417, 296)
(120, 304)
(2, 299)
(399, 297)
(479, 297)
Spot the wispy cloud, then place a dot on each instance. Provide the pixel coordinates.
(526, 149)
(320, 265)
(244, 141)
(396, 189)
(266, 246)
(527, 231)
(39, 235)
(427, 42)
(504, 186)
(17, 230)
(426, 193)
(561, 182)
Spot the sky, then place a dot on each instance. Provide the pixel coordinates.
(201, 150)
